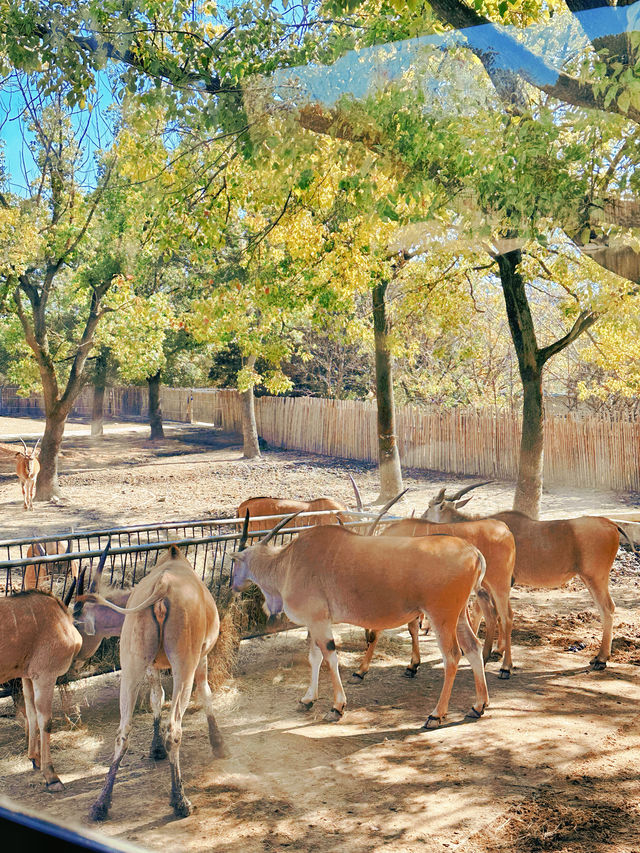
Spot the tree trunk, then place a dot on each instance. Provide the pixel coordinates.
(97, 415)
(47, 484)
(388, 456)
(531, 362)
(155, 410)
(251, 447)
(530, 468)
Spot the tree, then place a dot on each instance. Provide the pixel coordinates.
(38, 287)
(431, 156)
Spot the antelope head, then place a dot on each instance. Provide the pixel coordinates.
(84, 612)
(248, 561)
(30, 457)
(446, 508)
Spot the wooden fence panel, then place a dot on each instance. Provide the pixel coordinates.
(587, 452)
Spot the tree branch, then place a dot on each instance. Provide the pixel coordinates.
(584, 321)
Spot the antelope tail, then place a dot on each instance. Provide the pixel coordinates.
(632, 544)
(159, 593)
(483, 569)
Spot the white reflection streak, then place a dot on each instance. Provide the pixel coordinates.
(537, 53)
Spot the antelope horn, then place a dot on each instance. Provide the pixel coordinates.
(25, 446)
(81, 581)
(384, 509)
(357, 493)
(278, 528)
(69, 595)
(38, 550)
(35, 446)
(95, 580)
(245, 533)
(466, 489)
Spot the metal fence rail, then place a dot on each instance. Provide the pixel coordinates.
(133, 551)
(208, 549)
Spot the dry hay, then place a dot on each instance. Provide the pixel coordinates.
(221, 659)
(560, 631)
(625, 647)
(544, 823)
(254, 614)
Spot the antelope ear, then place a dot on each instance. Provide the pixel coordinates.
(38, 550)
(459, 504)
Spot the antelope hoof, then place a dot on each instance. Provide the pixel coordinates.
(504, 674)
(98, 811)
(357, 677)
(432, 723)
(598, 665)
(474, 715)
(220, 751)
(55, 786)
(157, 752)
(182, 808)
(411, 671)
(333, 716)
(35, 764)
(304, 706)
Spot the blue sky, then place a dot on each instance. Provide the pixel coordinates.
(16, 137)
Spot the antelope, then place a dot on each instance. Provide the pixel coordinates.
(37, 644)
(94, 621)
(171, 621)
(329, 574)
(494, 540)
(283, 506)
(550, 553)
(27, 469)
(37, 573)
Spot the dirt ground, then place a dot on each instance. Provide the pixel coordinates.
(552, 766)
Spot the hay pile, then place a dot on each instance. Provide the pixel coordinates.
(545, 823)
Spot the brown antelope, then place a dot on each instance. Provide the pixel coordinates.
(94, 621)
(171, 621)
(36, 574)
(494, 540)
(329, 574)
(37, 644)
(27, 469)
(284, 506)
(550, 553)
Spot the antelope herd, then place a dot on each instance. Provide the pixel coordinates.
(450, 568)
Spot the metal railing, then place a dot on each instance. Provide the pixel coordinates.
(208, 549)
(133, 551)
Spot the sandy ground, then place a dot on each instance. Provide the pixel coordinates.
(552, 766)
(198, 472)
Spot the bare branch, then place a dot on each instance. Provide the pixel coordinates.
(584, 321)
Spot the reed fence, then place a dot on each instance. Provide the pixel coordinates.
(587, 452)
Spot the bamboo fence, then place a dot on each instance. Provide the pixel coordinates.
(588, 452)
